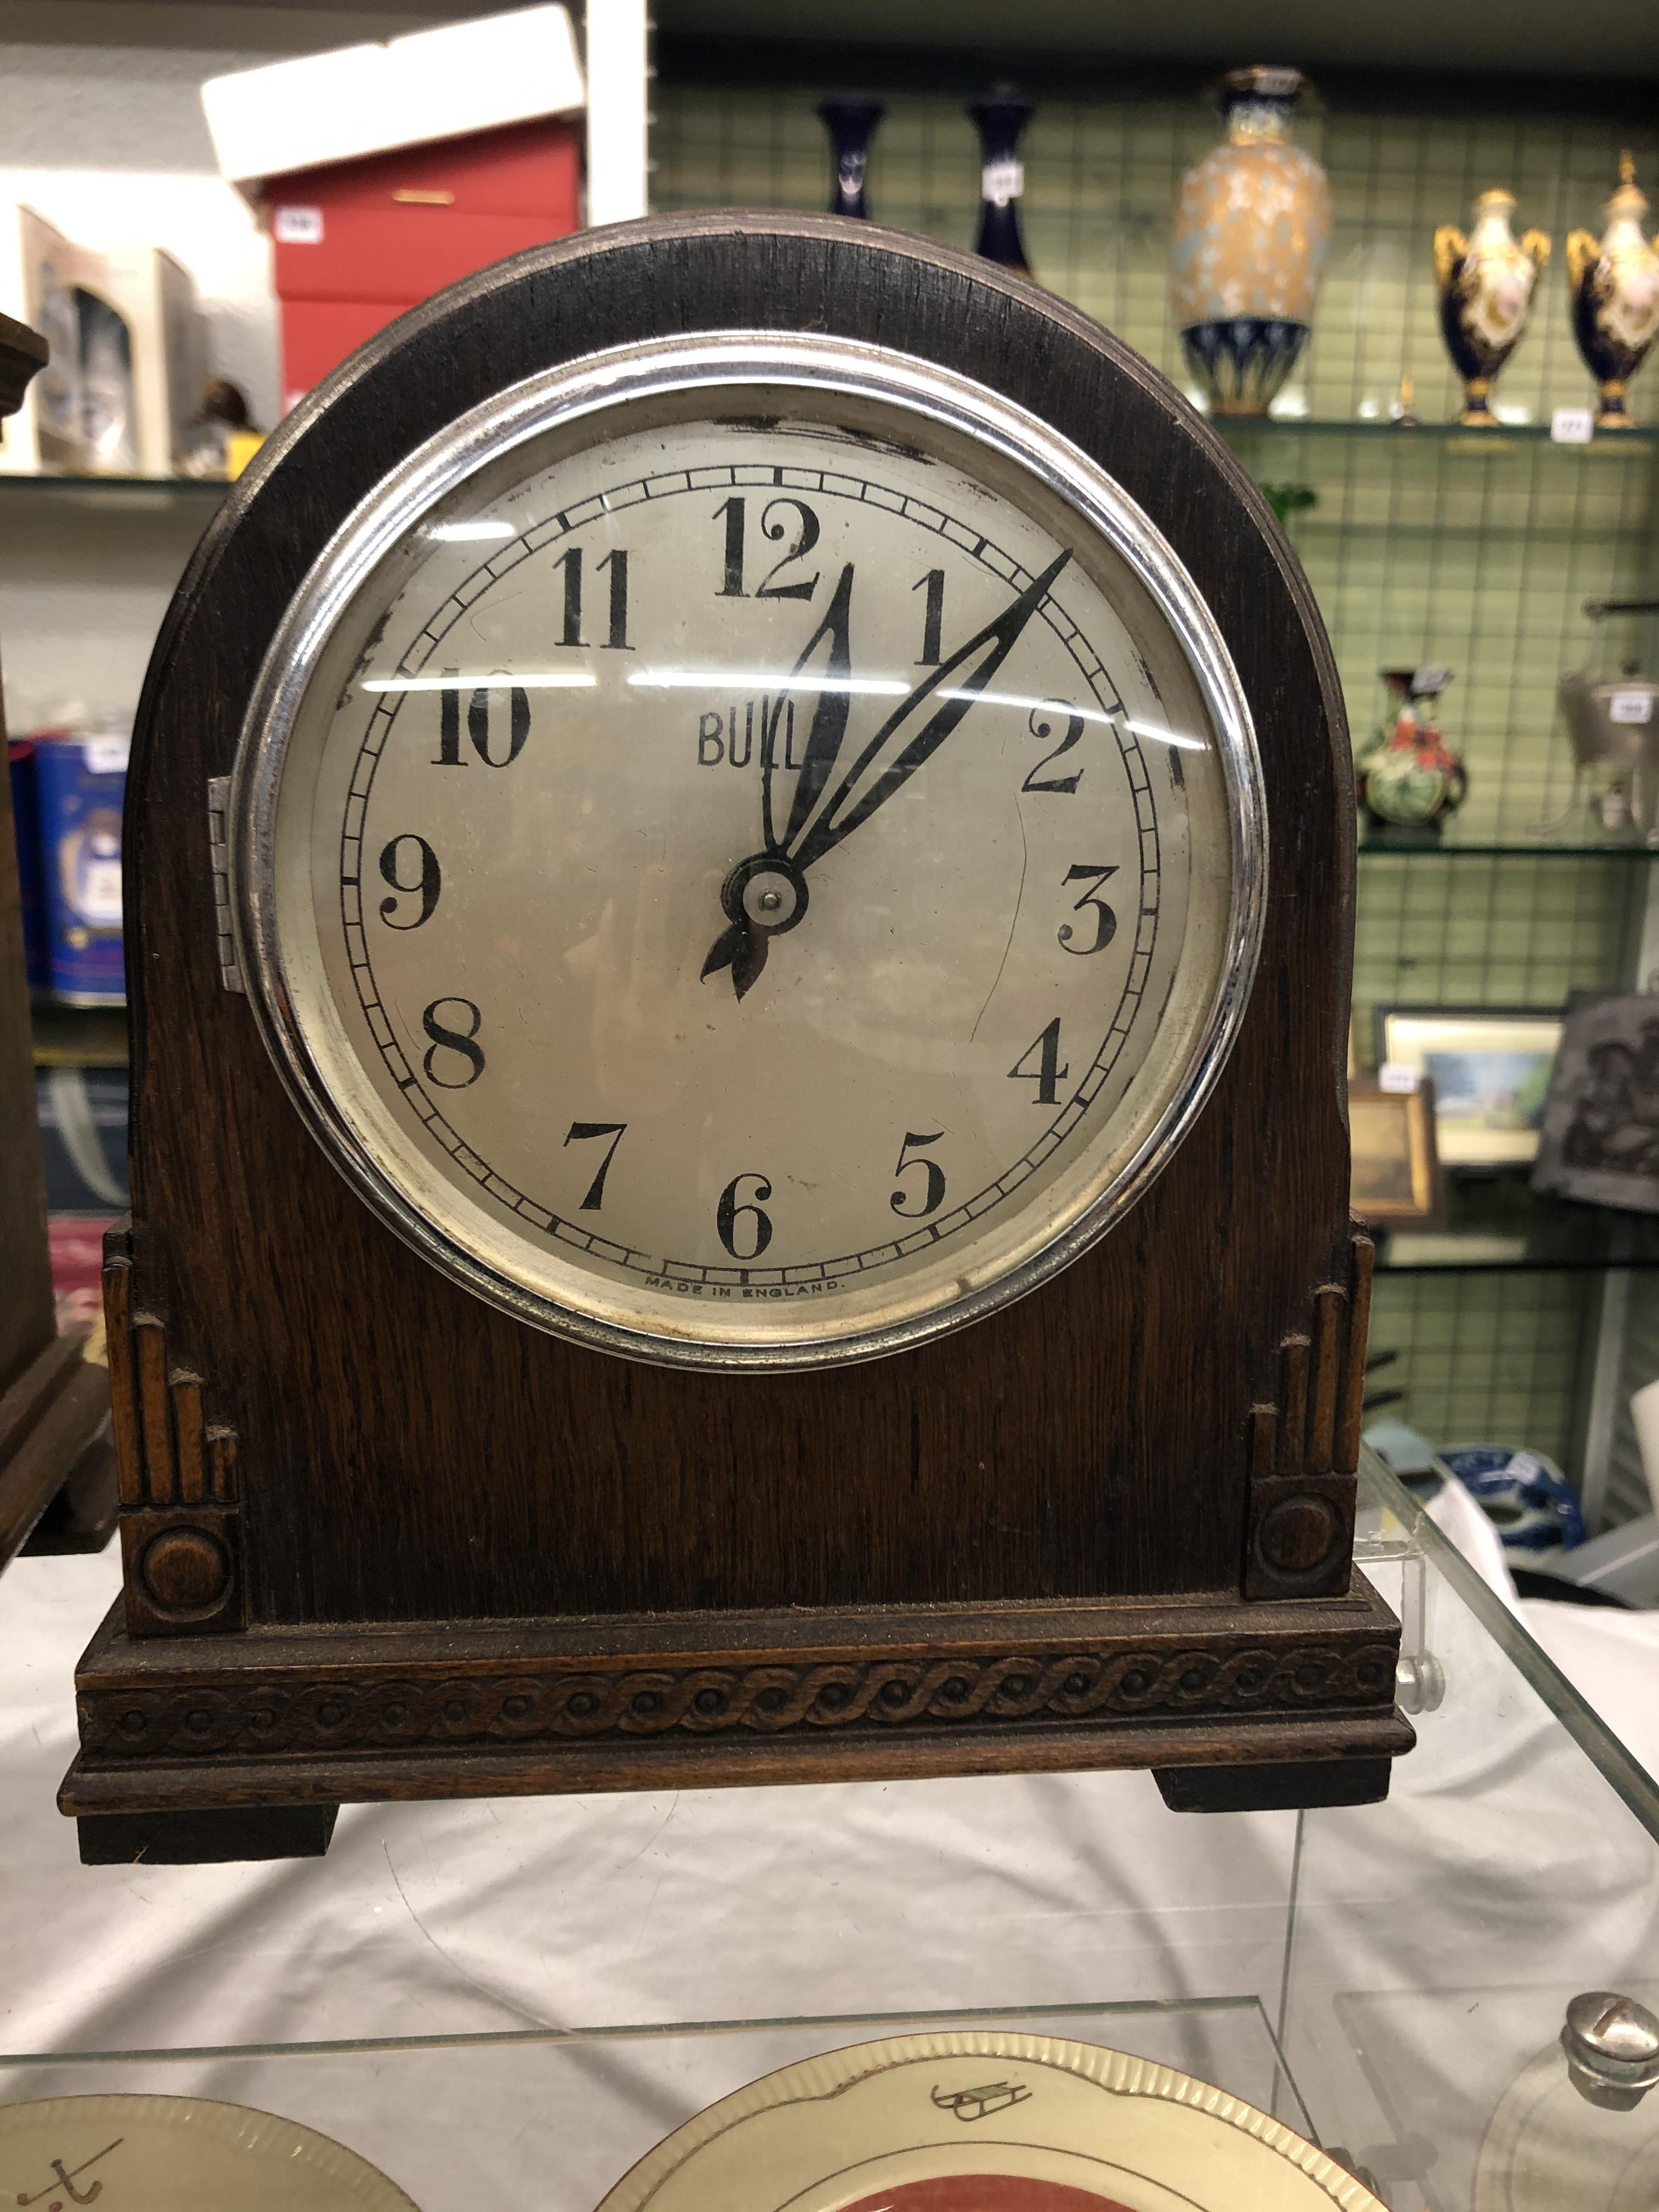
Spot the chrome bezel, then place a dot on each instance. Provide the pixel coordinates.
(722, 360)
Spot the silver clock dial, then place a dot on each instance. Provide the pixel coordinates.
(749, 853)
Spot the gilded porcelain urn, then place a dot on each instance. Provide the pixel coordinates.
(1485, 283)
(1252, 224)
(1614, 286)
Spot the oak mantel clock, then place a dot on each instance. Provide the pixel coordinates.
(741, 859)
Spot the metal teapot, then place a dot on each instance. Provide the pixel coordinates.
(1613, 723)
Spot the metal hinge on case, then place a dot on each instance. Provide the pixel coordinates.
(218, 801)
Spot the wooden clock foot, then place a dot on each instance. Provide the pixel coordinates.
(1294, 1786)
(206, 1839)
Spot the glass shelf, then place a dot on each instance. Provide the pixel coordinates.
(108, 496)
(507, 2001)
(1499, 1222)
(1480, 841)
(1457, 436)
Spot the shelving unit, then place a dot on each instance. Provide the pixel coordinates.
(1474, 550)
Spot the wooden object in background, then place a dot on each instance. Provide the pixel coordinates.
(53, 1402)
(384, 1541)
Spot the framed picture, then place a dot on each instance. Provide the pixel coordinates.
(1396, 1181)
(1599, 1141)
(1490, 1070)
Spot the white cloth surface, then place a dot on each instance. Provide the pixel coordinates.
(1443, 1930)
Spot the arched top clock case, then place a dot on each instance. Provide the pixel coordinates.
(460, 1454)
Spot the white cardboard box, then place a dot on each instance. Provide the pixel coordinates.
(156, 299)
(39, 269)
(145, 398)
(368, 99)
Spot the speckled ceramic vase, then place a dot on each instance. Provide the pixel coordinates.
(851, 124)
(1614, 285)
(1485, 283)
(1252, 224)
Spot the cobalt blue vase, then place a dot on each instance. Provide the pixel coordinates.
(851, 124)
(999, 119)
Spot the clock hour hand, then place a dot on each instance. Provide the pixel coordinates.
(899, 747)
(767, 893)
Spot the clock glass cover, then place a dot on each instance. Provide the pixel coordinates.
(749, 850)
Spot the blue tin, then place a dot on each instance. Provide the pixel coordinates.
(80, 787)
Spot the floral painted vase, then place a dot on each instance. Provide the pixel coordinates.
(1485, 283)
(1252, 224)
(1614, 286)
(1408, 777)
(999, 120)
(851, 124)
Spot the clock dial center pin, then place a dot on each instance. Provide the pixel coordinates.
(767, 890)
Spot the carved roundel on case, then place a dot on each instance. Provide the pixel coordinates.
(186, 1572)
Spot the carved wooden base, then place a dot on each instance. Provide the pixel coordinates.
(326, 1716)
(49, 1419)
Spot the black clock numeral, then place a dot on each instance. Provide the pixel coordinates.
(1048, 1074)
(617, 562)
(775, 527)
(481, 722)
(447, 1039)
(427, 882)
(1042, 728)
(580, 1130)
(933, 617)
(729, 1213)
(932, 1193)
(1090, 872)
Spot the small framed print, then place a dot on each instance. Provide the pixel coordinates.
(1396, 1181)
(1600, 1134)
(1489, 1066)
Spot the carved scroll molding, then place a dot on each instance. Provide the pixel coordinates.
(1305, 1445)
(181, 1543)
(277, 1715)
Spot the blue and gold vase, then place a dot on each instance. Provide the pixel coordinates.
(999, 119)
(851, 124)
(1485, 283)
(1613, 282)
(1252, 224)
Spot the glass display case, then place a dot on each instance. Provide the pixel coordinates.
(1380, 1978)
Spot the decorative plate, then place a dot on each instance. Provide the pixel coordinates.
(983, 2123)
(156, 2153)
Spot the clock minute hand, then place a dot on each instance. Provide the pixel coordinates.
(741, 946)
(828, 824)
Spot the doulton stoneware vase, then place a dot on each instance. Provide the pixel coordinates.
(1252, 225)
(1614, 285)
(1485, 283)
(851, 124)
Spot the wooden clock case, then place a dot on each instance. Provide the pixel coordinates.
(382, 1541)
(57, 1486)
